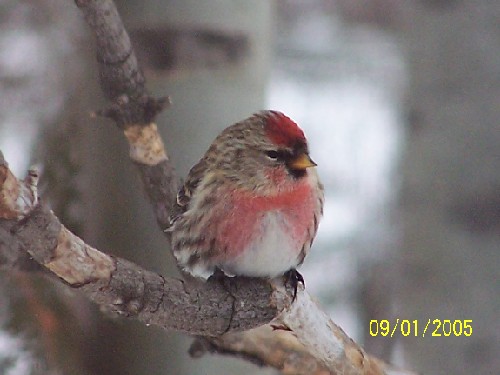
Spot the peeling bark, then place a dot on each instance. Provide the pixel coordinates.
(211, 309)
(119, 286)
(220, 310)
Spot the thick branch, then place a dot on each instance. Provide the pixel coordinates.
(264, 346)
(210, 309)
(326, 341)
(314, 345)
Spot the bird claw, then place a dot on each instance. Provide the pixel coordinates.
(293, 277)
(218, 275)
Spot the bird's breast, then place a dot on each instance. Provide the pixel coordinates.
(264, 236)
(271, 253)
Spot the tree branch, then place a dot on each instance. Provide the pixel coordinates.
(264, 346)
(132, 108)
(210, 309)
(207, 309)
(221, 311)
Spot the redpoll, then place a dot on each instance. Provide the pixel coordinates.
(251, 205)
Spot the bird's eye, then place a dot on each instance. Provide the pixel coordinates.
(272, 154)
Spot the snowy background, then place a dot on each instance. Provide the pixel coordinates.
(342, 82)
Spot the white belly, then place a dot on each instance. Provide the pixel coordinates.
(272, 254)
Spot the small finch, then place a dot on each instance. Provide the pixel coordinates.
(252, 204)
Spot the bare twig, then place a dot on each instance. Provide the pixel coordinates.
(131, 108)
(218, 311)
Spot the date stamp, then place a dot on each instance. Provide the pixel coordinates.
(416, 328)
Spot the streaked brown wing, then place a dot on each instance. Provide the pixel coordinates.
(185, 193)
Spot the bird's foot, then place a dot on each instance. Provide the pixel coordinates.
(293, 277)
(218, 275)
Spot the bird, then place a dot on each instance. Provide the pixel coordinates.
(251, 206)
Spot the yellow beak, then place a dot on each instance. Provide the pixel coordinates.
(301, 162)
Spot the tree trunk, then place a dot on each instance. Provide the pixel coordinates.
(450, 199)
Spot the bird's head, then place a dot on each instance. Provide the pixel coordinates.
(266, 151)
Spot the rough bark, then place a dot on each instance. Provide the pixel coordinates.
(210, 309)
(123, 83)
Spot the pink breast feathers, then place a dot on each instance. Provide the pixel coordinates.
(295, 210)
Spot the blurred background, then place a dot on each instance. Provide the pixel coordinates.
(400, 102)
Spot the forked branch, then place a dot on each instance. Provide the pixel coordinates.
(225, 313)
